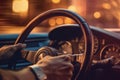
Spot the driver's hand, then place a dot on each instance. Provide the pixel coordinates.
(104, 63)
(57, 67)
(8, 51)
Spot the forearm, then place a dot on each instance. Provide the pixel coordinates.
(24, 74)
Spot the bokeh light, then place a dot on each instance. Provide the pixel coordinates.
(106, 6)
(97, 14)
(67, 21)
(59, 20)
(19, 6)
(52, 22)
(115, 4)
(72, 8)
(56, 1)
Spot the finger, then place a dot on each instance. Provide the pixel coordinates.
(64, 75)
(14, 48)
(19, 46)
(66, 67)
(65, 57)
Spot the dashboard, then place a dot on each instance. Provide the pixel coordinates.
(106, 44)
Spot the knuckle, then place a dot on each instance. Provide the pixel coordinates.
(67, 58)
(71, 67)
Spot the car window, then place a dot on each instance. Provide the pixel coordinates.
(15, 14)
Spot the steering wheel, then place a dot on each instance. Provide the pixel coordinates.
(82, 25)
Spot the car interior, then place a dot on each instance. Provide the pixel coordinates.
(95, 51)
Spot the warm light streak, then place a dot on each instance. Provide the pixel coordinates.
(115, 4)
(68, 21)
(19, 6)
(97, 14)
(106, 6)
(56, 1)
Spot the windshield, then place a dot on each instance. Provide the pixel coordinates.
(15, 14)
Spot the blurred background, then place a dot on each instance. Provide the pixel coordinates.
(15, 14)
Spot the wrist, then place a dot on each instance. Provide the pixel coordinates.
(38, 72)
(25, 74)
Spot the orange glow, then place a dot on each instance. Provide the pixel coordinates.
(56, 1)
(106, 6)
(19, 6)
(19, 29)
(68, 21)
(114, 3)
(52, 22)
(72, 8)
(79, 6)
(59, 21)
(97, 14)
